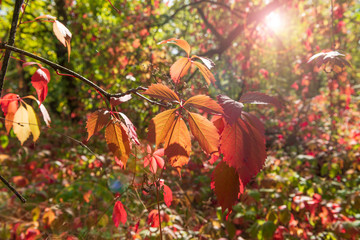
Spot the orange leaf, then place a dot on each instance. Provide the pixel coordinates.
(209, 77)
(179, 69)
(48, 217)
(205, 103)
(9, 103)
(205, 132)
(243, 147)
(179, 42)
(118, 141)
(178, 144)
(160, 126)
(9, 120)
(219, 123)
(226, 185)
(96, 121)
(162, 92)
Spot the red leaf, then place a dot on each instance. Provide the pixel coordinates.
(243, 147)
(259, 98)
(117, 100)
(179, 69)
(31, 63)
(179, 42)
(161, 91)
(153, 219)
(204, 103)
(119, 214)
(40, 80)
(154, 159)
(219, 123)
(10, 103)
(232, 109)
(131, 129)
(168, 196)
(254, 121)
(226, 185)
(96, 121)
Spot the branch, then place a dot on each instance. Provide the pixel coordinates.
(252, 17)
(11, 42)
(210, 26)
(22, 199)
(65, 70)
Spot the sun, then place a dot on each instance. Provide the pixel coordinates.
(275, 22)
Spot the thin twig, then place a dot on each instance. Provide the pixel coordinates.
(22, 199)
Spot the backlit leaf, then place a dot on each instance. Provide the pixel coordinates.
(40, 80)
(63, 35)
(131, 129)
(33, 122)
(119, 214)
(205, 132)
(204, 103)
(9, 120)
(43, 110)
(21, 124)
(179, 42)
(208, 62)
(168, 196)
(243, 147)
(226, 185)
(161, 91)
(232, 109)
(160, 126)
(179, 69)
(259, 98)
(117, 100)
(118, 141)
(209, 77)
(9, 103)
(96, 121)
(178, 144)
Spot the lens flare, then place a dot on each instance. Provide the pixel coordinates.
(275, 22)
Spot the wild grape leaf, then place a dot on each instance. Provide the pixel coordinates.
(259, 98)
(63, 35)
(154, 159)
(153, 218)
(219, 123)
(9, 120)
(21, 124)
(331, 60)
(208, 62)
(168, 196)
(43, 110)
(209, 77)
(243, 147)
(179, 69)
(119, 214)
(32, 63)
(9, 103)
(96, 121)
(204, 103)
(254, 121)
(160, 126)
(179, 42)
(33, 122)
(40, 80)
(226, 185)
(118, 100)
(205, 132)
(178, 144)
(161, 91)
(131, 129)
(232, 109)
(118, 141)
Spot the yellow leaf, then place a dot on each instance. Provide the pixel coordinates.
(118, 141)
(205, 132)
(33, 122)
(21, 124)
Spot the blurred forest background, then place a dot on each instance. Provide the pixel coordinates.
(309, 187)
